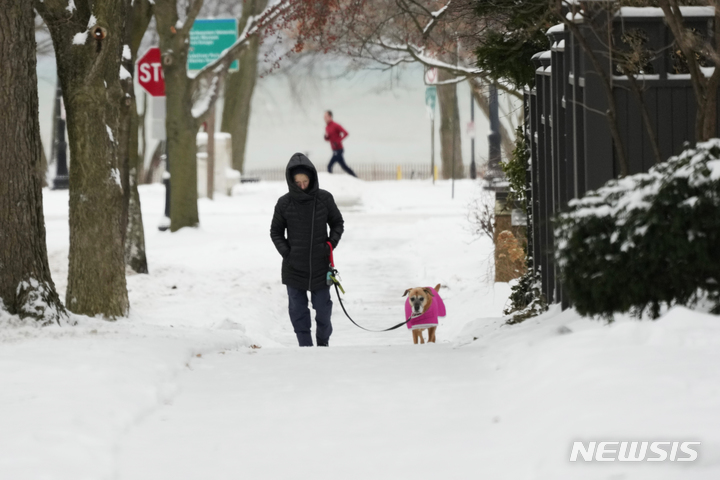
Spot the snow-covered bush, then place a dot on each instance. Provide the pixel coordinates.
(646, 240)
(526, 298)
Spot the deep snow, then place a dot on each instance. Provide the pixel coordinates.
(177, 390)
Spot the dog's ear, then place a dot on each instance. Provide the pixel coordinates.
(406, 292)
(428, 291)
(437, 287)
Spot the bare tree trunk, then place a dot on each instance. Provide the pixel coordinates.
(713, 82)
(450, 146)
(155, 161)
(239, 89)
(637, 91)
(705, 89)
(42, 166)
(88, 46)
(181, 130)
(139, 14)
(710, 107)
(26, 286)
(180, 125)
(142, 175)
(135, 256)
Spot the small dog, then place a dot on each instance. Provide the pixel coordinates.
(423, 306)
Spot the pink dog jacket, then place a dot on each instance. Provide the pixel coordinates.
(430, 317)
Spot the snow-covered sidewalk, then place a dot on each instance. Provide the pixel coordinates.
(178, 390)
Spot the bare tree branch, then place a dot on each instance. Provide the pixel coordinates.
(436, 17)
(193, 10)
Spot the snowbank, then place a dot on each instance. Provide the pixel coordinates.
(69, 393)
(346, 189)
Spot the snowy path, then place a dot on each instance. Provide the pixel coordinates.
(350, 413)
(176, 392)
(370, 401)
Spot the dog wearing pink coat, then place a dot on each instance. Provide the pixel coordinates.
(423, 307)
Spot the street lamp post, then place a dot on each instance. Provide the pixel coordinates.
(473, 167)
(61, 181)
(165, 222)
(494, 170)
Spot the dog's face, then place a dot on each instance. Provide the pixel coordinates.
(420, 300)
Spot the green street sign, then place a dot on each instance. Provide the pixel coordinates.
(430, 97)
(430, 100)
(208, 39)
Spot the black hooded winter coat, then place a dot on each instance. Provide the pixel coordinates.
(306, 215)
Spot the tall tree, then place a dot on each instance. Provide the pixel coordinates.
(702, 56)
(450, 145)
(181, 126)
(440, 34)
(239, 88)
(26, 286)
(87, 36)
(189, 99)
(139, 13)
(512, 33)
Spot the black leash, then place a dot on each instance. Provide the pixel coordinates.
(332, 279)
(360, 326)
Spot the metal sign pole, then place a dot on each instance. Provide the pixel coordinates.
(430, 100)
(432, 148)
(473, 167)
(210, 130)
(62, 176)
(452, 156)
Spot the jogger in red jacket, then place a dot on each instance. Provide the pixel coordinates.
(335, 134)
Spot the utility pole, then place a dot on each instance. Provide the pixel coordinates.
(210, 129)
(165, 222)
(494, 170)
(430, 100)
(473, 168)
(432, 147)
(61, 181)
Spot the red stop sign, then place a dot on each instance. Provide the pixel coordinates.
(150, 75)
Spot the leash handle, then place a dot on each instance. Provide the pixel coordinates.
(332, 261)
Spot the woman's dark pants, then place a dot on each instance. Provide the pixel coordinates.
(300, 315)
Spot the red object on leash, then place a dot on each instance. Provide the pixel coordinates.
(332, 262)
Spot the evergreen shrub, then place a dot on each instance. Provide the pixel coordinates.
(526, 298)
(646, 240)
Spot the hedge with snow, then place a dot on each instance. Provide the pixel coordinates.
(646, 240)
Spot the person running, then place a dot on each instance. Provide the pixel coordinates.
(306, 212)
(335, 134)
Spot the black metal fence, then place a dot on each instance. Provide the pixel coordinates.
(367, 172)
(567, 125)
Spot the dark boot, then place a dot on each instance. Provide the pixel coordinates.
(322, 304)
(300, 315)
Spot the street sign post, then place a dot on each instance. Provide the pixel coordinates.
(209, 37)
(431, 76)
(430, 101)
(150, 75)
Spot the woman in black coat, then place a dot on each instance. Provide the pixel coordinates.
(306, 212)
